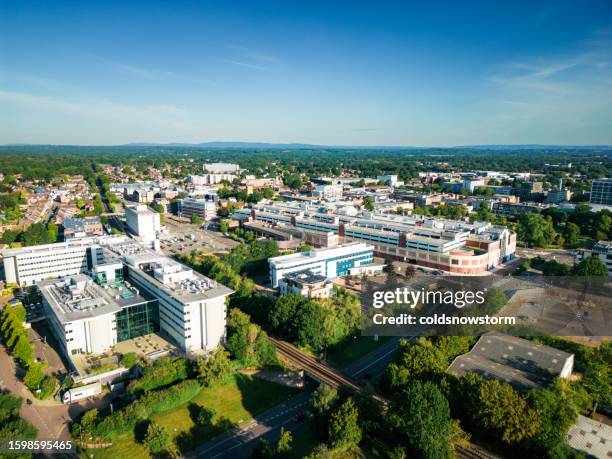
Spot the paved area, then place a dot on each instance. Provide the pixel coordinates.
(182, 237)
(561, 255)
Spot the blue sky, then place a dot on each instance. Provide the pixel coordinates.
(341, 73)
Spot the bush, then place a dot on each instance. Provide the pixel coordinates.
(163, 372)
(148, 405)
(129, 360)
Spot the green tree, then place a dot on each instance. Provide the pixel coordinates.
(571, 233)
(344, 430)
(34, 376)
(214, 369)
(283, 446)
(52, 232)
(195, 219)
(157, 438)
(421, 416)
(368, 203)
(591, 266)
(23, 349)
(535, 230)
(224, 226)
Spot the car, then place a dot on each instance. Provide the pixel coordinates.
(28, 401)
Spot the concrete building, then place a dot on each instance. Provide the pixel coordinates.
(305, 283)
(82, 227)
(108, 289)
(28, 265)
(557, 196)
(206, 210)
(89, 318)
(329, 192)
(222, 168)
(601, 192)
(390, 180)
(329, 263)
(531, 190)
(519, 362)
(454, 246)
(210, 179)
(142, 222)
(191, 306)
(603, 249)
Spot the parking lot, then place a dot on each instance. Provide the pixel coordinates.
(182, 237)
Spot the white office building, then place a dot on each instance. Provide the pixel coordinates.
(330, 263)
(27, 265)
(142, 222)
(99, 291)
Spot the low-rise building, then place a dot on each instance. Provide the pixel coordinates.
(329, 192)
(305, 283)
(82, 227)
(519, 362)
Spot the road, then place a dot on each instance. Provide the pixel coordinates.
(240, 441)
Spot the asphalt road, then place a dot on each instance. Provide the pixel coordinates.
(240, 441)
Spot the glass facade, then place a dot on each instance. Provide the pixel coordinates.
(138, 320)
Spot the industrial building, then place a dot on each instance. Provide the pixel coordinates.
(519, 362)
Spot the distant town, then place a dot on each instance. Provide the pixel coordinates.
(214, 295)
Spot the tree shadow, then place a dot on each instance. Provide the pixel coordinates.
(206, 426)
(140, 431)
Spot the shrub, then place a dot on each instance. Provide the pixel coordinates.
(163, 372)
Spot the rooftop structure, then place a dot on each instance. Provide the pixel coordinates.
(592, 437)
(82, 227)
(521, 363)
(142, 222)
(305, 283)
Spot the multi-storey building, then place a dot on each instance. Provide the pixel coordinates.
(222, 168)
(205, 209)
(101, 277)
(449, 245)
(28, 265)
(601, 192)
(329, 192)
(329, 263)
(142, 222)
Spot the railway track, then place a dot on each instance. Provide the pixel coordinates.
(322, 372)
(472, 453)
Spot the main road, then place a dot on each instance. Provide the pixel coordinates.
(240, 441)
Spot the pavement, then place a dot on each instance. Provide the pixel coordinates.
(205, 239)
(240, 441)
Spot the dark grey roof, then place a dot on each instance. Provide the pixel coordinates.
(522, 363)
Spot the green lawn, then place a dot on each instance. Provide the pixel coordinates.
(352, 350)
(233, 403)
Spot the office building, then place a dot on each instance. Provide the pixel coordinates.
(27, 265)
(329, 263)
(601, 192)
(531, 190)
(603, 250)
(90, 318)
(329, 192)
(142, 222)
(82, 227)
(97, 280)
(206, 210)
(451, 245)
(519, 362)
(222, 168)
